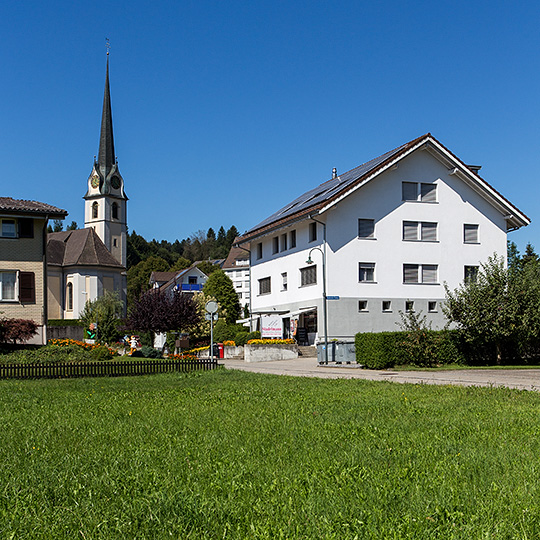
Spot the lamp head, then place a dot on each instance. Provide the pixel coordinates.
(309, 261)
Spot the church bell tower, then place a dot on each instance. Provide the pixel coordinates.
(105, 207)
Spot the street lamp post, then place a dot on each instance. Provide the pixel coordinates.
(325, 312)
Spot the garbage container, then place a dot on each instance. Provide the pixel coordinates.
(321, 356)
(215, 351)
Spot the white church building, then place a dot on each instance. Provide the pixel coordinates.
(390, 233)
(83, 264)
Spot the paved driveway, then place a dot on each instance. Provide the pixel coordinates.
(523, 379)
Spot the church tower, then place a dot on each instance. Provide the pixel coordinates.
(105, 207)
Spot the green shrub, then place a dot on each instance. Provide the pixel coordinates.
(426, 348)
(150, 352)
(241, 338)
(101, 354)
(64, 322)
(378, 350)
(253, 335)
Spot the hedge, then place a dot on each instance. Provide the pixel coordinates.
(425, 348)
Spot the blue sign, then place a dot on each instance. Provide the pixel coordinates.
(332, 297)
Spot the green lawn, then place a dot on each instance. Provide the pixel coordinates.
(239, 455)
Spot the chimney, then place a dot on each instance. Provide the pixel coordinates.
(334, 173)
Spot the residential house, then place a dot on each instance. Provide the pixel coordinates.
(236, 267)
(391, 232)
(190, 280)
(23, 266)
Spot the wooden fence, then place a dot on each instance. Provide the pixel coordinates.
(112, 368)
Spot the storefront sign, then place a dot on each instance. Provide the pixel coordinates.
(271, 327)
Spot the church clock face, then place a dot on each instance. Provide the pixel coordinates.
(94, 182)
(115, 182)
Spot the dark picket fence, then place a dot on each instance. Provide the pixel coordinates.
(112, 368)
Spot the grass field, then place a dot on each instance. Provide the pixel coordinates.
(239, 455)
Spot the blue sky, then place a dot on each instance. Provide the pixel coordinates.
(225, 111)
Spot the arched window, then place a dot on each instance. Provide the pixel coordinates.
(114, 210)
(69, 297)
(95, 210)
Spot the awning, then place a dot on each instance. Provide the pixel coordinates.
(299, 311)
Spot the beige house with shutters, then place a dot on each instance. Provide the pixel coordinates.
(23, 265)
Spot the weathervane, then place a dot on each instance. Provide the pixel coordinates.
(108, 45)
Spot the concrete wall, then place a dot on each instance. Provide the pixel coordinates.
(269, 353)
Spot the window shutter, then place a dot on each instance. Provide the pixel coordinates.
(429, 273)
(470, 234)
(366, 228)
(27, 287)
(428, 192)
(410, 230)
(26, 228)
(410, 273)
(409, 191)
(429, 232)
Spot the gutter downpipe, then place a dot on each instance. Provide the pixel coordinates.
(325, 309)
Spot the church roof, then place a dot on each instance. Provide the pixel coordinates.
(7, 204)
(81, 247)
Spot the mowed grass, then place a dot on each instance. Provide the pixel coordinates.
(239, 455)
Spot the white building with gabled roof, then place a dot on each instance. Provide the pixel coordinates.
(392, 231)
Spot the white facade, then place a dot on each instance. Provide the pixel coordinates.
(239, 275)
(459, 224)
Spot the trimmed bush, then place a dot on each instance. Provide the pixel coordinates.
(101, 354)
(426, 348)
(241, 338)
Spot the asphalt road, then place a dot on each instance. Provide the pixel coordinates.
(522, 379)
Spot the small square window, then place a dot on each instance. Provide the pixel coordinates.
(428, 192)
(366, 228)
(409, 191)
(471, 274)
(362, 305)
(387, 305)
(308, 275)
(470, 233)
(8, 228)
(409, 306)
(265, 286)
(432, 306)
(366, 272)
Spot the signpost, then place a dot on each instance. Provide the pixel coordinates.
(211, 309)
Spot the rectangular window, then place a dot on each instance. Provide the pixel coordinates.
(264, 286)
(366, 272)
(432, 306)
(409, 191)
(420, 273)
(409, 306)
(259, 250)
(275, 245)
(8, 228)
(362, 305)
(292, 239)
(8, 281)
(471, 274)
(429, 273)
(238, 284)
(366, 228)
(312, 232)
(423, 230)
(470, 233)
(428, 192)
(26, 228)
(283, 242)
(386, 305)
(284, 281)
(308, 275)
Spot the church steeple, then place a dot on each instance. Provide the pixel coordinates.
(106, 156)
(105, 199)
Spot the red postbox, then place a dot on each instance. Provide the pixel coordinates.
(221, 350)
